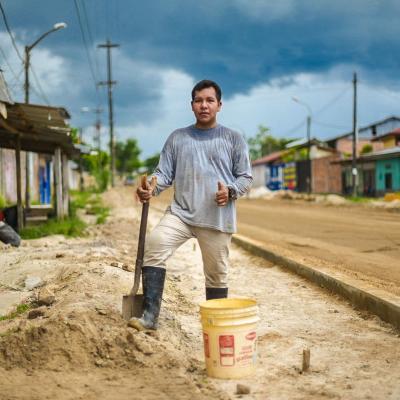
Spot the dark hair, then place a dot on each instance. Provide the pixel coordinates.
(204, 84)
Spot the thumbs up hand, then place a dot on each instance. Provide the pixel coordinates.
(222, 195)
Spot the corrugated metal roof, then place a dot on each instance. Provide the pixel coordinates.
(365, 129)
(41, 129)
(390, 151)
(37, 118)
(395, 132)
(268, 158)
(393, 152)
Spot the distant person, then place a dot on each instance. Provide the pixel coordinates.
(209, 166)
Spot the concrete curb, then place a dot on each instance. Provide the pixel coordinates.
(383, 304)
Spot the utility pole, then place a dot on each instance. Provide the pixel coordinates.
(26, 69)
(27, 155)
(27, 61)
(355, 139)
(98, 111)
(309, 116)
(108, 45)
(81, 183)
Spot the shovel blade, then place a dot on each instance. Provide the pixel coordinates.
(132, 306)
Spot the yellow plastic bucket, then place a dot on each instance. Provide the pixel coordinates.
(230, 337)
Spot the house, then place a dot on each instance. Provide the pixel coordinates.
(41, 130)
(289, 169)
(390, 139)
(377, 169)
(372, 139)
(264, 174)
(378, 172)
(366, 135)
(328, 168)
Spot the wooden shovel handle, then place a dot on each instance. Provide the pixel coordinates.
(143, 181)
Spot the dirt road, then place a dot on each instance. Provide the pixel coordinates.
(359, 241)
(82, 349)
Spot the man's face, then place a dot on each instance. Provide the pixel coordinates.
(205, 107)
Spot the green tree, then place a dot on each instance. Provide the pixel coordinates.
(367, 148)
(75, 136)
(264, 143)
(98, 165)
(151, 163)
(127, 156)
(295, 155)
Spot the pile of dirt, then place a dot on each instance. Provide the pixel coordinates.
(80, 336)
(261, 192)
(81, 333)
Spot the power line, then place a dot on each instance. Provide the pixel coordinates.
(16, 78)
(87, 21)
(40, 89)
(107, 18)
(90, 37)
(320, 111)
(328, 125)
(10, 33)
(8, 64)
(384, 93)
(295, 128)
(15, 85)
(41, 92)
(85, 44)
(333, 101)
(94, 71)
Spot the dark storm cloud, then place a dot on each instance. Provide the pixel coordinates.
(236, 42)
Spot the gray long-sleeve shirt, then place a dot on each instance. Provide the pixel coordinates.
(194, 160)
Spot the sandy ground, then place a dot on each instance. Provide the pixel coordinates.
(82, 349)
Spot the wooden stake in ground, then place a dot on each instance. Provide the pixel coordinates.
(306, 360)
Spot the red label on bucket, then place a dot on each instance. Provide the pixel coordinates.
(206, 345)
(251, 336)
(227, 350)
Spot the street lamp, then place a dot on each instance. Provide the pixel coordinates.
(308, 140)
(56, 27)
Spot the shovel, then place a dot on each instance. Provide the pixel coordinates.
(132, 303)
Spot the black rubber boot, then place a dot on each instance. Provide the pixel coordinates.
(216, 293)
(153, 286)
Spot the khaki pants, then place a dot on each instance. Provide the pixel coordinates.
(171, 232)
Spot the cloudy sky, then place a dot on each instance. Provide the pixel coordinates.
(262, 52)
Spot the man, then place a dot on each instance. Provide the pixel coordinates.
(208, 164)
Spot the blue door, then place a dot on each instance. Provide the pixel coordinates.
(44, 183)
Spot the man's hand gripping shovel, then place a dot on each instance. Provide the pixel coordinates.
(132, 303)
